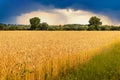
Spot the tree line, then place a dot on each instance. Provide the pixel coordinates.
(95, 23)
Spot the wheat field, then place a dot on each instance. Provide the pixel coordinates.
(43, 55)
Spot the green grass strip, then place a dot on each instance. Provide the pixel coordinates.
(105, 66)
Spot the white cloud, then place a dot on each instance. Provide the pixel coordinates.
(61, 16)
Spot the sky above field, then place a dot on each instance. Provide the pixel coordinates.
(59, 11)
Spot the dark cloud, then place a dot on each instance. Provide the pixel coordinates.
(11, 8)
(84, 4)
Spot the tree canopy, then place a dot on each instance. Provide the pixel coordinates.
(35, 22)
(94, 23)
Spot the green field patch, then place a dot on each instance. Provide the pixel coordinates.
(105, 66)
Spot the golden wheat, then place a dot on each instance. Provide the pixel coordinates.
(35, 55)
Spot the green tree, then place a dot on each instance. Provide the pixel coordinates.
(43, 26)
(35, 22)
(2, 26)
(94, 23)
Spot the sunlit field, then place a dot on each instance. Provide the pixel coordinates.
(45, 55)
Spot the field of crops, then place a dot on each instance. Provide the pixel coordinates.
(43, 55)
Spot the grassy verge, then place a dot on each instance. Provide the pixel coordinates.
(105, 66)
